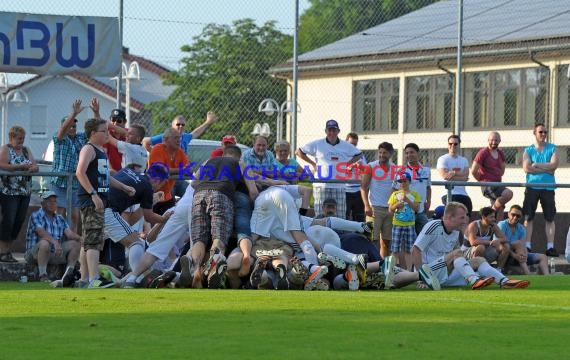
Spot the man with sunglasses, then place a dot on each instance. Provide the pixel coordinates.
(516, 236)
(179, 124)
(540, 161)
(454, 167)
(119, 119)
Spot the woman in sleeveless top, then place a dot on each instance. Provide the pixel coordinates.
(16, 190)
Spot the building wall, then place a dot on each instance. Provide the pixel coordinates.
(322, 98)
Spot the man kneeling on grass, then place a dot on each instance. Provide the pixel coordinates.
(441, 263)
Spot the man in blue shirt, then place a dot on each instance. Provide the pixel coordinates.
(49, 240)
(516, 237)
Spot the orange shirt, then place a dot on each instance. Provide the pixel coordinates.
(159, 154)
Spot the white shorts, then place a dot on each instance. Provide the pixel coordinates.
(439, 269)
(116, 228)
(275, 213)
(176, 230)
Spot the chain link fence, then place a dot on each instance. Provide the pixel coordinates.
(226, 56)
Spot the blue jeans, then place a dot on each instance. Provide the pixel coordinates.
(242, 215)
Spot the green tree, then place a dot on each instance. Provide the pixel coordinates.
(327, 21)
(225, 71)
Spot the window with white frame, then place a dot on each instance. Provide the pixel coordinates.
(429, 103)
(38, 121)
(563, 116)
(506, 98)
(376, 105)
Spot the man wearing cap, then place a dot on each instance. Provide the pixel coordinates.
(66, 146)
(49, 240)
(117, 130)
(226, 140)
(330, 153)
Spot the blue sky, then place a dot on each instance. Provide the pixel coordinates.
(157, 29)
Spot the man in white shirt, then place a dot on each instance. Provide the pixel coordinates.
(454, 167)
(330, 153)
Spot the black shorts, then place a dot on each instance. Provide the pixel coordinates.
(531, 198)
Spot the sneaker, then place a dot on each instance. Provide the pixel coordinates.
(56, 284)
(375, 281)
(299, 272)
(322, 285)
(326, 259)
(282, 283)
(217, 273)
(44, 278)
(81, 284)
(551, 252)
(361, 267)
(367, 227)
(388, 268)
(186, 272)
(129, 285)
(515, 284)
(352, 277)
(163, 280)
(429, 278)
(310, 283)
(107, 274)
(257, 272)
(482, 282)
(100, 284)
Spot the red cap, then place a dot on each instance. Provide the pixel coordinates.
(229, 139)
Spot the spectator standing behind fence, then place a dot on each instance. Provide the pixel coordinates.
(49, 240)
(375, 190)
(289, 169)
(168, 154)
(540, 161)
(67, 144)
(226, 141)
(329, 153)
(354, 204)
(260, 159)
(178, 124)
(16, 190)
(489, 166)
(119, 120)
(454, 167)
(421, 183)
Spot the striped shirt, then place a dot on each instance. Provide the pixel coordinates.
(435, 241)
(66, 156)
(55, 226)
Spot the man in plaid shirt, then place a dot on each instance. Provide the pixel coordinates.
(50, 240)
(66, 146)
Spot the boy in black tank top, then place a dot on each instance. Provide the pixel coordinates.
(93, 176)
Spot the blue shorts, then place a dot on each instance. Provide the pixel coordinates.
(62, 197)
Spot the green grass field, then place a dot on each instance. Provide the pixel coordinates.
(39, 322)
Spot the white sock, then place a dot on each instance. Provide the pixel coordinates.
(528, 245)
(550, 245)
(464, 268)
(309, 251)
(346, 256)
(135, 252)
(487, 270)
(42, 270)
(342, 224)
(131, 279)
(68, 270)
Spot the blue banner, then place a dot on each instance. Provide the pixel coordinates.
(54, 44)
